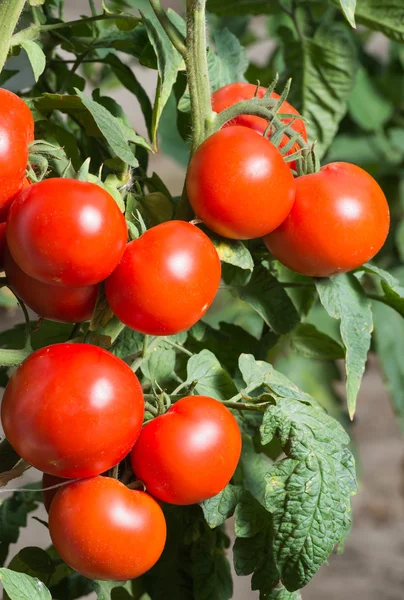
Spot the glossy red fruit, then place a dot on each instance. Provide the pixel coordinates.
(72, 410)
(239, 184)
(190, 453)
(6, 202)
(50, 481)
(339, 221)
(65, 231)
(66, 304)
(104, 530)
(16, 132)
(3, 245)
(236, 92)
(166, 280)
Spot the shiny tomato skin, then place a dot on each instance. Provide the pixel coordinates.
(190, 453)
(239, 184)
(72, 410)
(3, 245)
(232, 93)
(106, 531)
(49, 481)
(166, 280)
(67, 232)
(16, 132)
(339, 221)
(66, 304)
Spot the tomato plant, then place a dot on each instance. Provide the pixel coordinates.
(177, 288)
(72, 410)
(179, 326)
(106, 531)
(205, 445)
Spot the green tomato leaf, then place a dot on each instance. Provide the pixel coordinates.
(233, 252)
(23, 587)
(103, 589)
(323, 66)
(308, 341)
(368, 108)
(13, 515)
(344, 299)
(210, 569)
(212, 379)
(159, 365)
(34, 562)
(281, 593)
(386, 17)
(36, 57)
(268, 298)
(393, 292)
(219, 508)
(348, 8)
(157, 206)
(110, 128)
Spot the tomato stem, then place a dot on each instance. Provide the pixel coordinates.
(243, 406)
(10, 11)
(12, 358)
(174, 35)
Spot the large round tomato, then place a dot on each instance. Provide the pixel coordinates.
(65, 231)
(104, 530)
(166, 279)
(72, 410)
(67, 304)
(16, 132)
(239, 184)
(236, 92)
(190, 453)
(340, 220)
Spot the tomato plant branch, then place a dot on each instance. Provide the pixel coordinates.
(174, 35)
(12, 358)
(246, 406)
(10, 11)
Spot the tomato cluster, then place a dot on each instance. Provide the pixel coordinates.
(318, 224)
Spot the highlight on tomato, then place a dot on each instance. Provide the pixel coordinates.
(166, 280)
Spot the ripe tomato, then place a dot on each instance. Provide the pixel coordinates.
(3, 245)
(16, 132)
(190, 453)
(66, 304)
(239, 184)
(236, 92)
(104, 530)
(340, 220)
(68, 232)
(166, 280)
(72, 410)
(49, 481)
(6, 201)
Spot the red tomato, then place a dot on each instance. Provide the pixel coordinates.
(72, 410)
(6, 202)
(236, 92)
(16, 132)
(66, 304)
(190, 453)
(3, 245)
(49, 481)
(166, 280)
(239, 184)
(68, 232)
(339, 221)
(104, 530)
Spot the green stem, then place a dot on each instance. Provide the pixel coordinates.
(12, 358)
(178, 347)
(174, 35)
(73, 70)
(242, 406)
(151, 409)
(10, 11)
(34, 31)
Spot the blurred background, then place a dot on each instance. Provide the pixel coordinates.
(371, 567)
